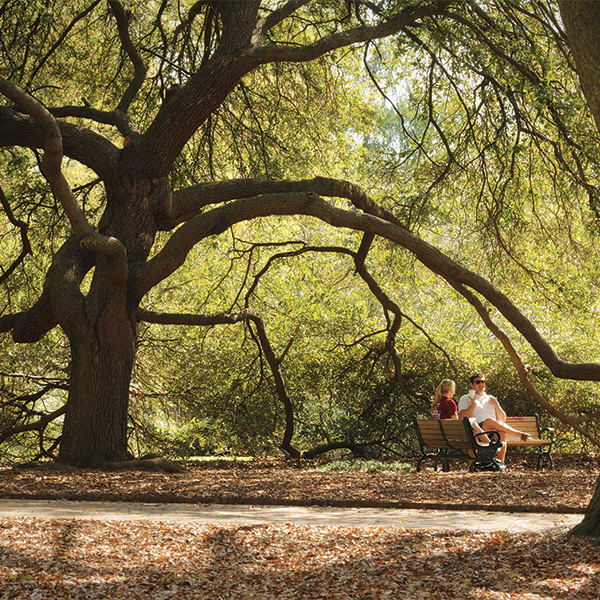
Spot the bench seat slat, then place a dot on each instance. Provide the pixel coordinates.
(511, 441)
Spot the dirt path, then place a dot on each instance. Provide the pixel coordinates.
(484, 521)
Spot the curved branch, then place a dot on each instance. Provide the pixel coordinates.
(61, 301)
(219, 219)
(235, 57)
(406, 17)
(116, 118)
(87, 147)
(189, 202)
(389, 304)
(32, 324)
(386, 302)
(51, 168)
(149, 316)
(140, 70)
(521, 367)
(36, 426)
(22, 226)
(180, 117)
(264, 344)
(278, 15)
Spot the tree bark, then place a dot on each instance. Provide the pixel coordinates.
(95, 426)
(582, 23)
(590, 526)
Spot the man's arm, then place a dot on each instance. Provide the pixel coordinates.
(468, 411)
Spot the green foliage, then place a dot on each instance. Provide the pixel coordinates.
(473, 154)
(366, 466)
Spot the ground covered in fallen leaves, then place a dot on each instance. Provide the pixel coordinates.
(42, 558)
(567, 488)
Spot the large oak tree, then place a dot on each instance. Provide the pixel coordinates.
(132, 143)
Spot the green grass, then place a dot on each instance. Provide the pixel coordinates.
(367, 466)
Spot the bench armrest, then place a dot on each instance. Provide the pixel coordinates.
(547, 432)
(493, 436)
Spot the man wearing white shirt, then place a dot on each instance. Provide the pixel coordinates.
(485, 410)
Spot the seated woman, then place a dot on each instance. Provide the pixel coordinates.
(443, 406)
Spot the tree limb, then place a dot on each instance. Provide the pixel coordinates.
(521, 367)
(276, 17)
(264, 344)
(22, 226)
(406, 17)
(87, 147)
(140, 69)
(36, 426)
(118, 119)
(189, 202)
(51, 168)
(219, 219)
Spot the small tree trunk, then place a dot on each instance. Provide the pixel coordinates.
(95, 426)
(590, 525)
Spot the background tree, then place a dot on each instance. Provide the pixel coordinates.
(492, 141)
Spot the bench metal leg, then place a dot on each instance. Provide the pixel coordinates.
(437, 458)
(544, 458)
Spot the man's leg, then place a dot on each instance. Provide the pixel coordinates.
(502, 429)
(502, 450)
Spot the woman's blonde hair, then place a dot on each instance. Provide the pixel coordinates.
(445, 386)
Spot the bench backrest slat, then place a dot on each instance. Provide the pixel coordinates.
(528, 425)
(445, 433)
(455, 433)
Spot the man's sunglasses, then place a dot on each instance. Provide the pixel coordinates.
(478, 381)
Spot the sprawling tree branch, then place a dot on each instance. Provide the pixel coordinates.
(140, 70)
(38, 425)
(110, 248)
(180, 117)
(189, 202)
(85, 146)
(61, 299)
(406, 16)
(276, 17)
(219, 219)
(239, 52)
(263, 342)
(387, 303)
(117, 117)
(25, 244)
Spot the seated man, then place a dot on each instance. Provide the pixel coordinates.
(485, 411)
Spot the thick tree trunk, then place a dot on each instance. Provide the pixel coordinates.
(101, 326)
(95, 426)
(582, 24)
(591, 522)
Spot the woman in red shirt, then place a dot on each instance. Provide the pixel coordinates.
(443, 407)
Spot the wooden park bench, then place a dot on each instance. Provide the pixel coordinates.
(540, 438)
(448, 439)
